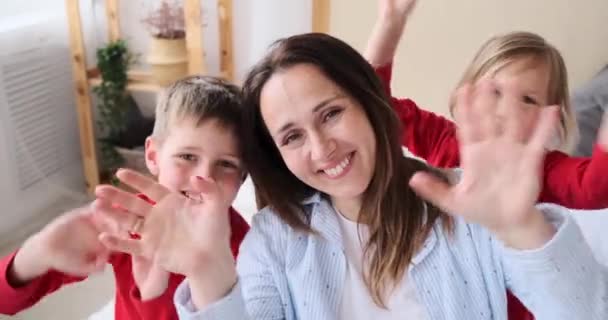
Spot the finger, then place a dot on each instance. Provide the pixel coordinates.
(484, 109)
(206, 186)
(117, 219)
(130, 246)
(207, 189)
(433, 189)
(510, 112)
(123, 200)
(543, 132)
(143, 184)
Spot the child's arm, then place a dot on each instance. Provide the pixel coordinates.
(387, 32)
(425, 134)
(17, 296)
(63, 252)
(578, 183)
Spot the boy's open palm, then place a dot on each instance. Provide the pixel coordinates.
(70, 244)
(179, 234)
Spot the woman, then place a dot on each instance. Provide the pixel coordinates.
(344, 235)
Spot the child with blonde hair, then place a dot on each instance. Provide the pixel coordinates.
(521, 61)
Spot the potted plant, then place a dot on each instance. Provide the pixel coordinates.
(167, 55)
(123, 127)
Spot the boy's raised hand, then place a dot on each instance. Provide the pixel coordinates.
(69, 244)
(180, 234)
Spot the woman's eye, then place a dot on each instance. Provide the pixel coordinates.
(290, 138)
(331, 114)
(530, 100)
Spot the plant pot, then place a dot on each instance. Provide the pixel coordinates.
(134, 158)
(168, 59)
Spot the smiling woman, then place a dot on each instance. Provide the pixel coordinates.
(322, 138)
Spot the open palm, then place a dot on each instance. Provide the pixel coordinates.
(178, 233)
(71, 244)
(501, 167)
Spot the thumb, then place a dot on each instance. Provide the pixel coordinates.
(432, 189)
(208, 188)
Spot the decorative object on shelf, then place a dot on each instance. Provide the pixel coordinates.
(123, 128)
(168, 54)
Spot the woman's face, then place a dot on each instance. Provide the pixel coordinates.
(322, 133)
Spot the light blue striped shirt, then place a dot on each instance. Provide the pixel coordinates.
(286, 274)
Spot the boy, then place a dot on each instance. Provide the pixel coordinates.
(195, 134)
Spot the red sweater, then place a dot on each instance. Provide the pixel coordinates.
(578, 183)
(128, 302)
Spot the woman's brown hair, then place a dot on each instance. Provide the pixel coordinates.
(398, 220)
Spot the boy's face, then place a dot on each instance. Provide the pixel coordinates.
(207, 150)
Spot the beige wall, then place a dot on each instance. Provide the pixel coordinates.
(443, 36)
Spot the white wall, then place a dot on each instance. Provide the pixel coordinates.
(258, 23)
(443, 36)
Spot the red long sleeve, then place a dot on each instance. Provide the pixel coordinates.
(425, 134)
(578, 183)
(15, 300)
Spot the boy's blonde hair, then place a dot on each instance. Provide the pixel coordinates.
(199, 98)
(500, 51)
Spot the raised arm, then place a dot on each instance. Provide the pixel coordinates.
(578, 183)
(387, 32)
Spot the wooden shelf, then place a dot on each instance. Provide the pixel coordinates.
(138, 81)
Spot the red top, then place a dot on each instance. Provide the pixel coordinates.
(128, 301)
(578, 183)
